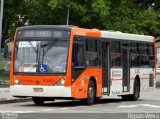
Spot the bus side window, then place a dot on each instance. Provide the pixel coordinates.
(150, 51)
(91, 52)
(116, 54)
(78, 57)
(78, 54)
(134, 55)
(144, 60)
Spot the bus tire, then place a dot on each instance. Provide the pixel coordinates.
(91, 93)
(136, 90)
(126, 97)
(97, 99)
(38, 100)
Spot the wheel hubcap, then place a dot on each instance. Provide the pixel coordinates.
(91, 92)
(136, 92)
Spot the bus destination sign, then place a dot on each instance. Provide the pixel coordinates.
(43, 34)
(37, 34)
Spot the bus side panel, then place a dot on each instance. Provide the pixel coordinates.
(80, 85)
(143, 74)
(38, 80)
(82, 32)
(116, 81)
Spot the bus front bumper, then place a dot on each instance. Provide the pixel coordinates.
(40, 91)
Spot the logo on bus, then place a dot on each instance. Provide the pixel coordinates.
(43, 68)
(37, 82)
(117, 73)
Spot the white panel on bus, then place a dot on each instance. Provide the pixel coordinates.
(125, 36)
(25, 44)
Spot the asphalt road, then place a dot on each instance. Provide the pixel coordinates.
(148, 103)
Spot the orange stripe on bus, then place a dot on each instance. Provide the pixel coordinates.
(130, 78)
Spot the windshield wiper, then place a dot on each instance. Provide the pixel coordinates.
(34, 49)
(48, 45)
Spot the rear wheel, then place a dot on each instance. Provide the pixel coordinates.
(38, 100)
(136, 93)
(91, 92)
(126, 97)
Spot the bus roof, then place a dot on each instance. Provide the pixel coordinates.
(126, 36)
(120, 35)
(103, 34)
(60, 27)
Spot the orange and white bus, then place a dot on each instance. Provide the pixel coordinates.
(60, 62)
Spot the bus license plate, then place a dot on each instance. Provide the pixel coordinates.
(37, 89)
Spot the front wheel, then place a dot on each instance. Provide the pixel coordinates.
(38, 100)
(91, 93)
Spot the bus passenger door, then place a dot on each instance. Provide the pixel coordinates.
(126, 67)
(105, 68)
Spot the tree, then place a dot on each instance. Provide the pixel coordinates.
(128, 17)
(85, 13)
(12, 10)
(131, 16)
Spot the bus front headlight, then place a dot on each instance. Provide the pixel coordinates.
(17, 82)
(61, 82)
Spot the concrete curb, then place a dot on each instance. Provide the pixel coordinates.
(16, 100)
(6, 97)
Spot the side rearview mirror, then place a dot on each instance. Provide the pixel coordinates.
(8, 48)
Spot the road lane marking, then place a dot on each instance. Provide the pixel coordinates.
(46, 110)
(138, 105)
(98, 105)
(153, 106)
(63, 108)
(29, 111)
(128, 106)
(81, 106)
(16, 111)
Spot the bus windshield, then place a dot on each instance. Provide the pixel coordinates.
(41, 56)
